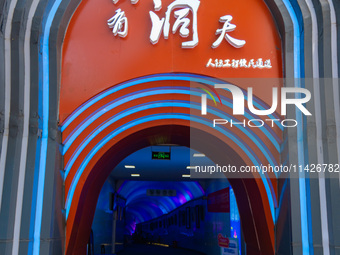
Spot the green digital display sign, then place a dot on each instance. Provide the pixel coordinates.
(160, 155)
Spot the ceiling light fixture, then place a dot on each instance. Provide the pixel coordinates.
(191, 167)
(199, 155)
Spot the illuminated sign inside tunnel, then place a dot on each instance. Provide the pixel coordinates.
(161, 155)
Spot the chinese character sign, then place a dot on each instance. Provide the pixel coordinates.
(121, 41)
(239, 63)
(227, 27)
(185, 26)
(119, 23)
(180, 9)
(181, 21)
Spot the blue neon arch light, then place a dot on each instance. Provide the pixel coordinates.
(173, 103)
(172, 90)
(243, 146)
(94, 133)
(151, 78)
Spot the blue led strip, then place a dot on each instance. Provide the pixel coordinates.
(113, 119)
(298, 73)
(166, 90)
(121, 86)
(172, 91)
(157, 104)
(157, 117)
(91, 118)
(44, 45)
(36, 169)
(146, 79)
(273, 194)
(34, 197)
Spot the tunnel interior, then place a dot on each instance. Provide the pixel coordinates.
(149, 203)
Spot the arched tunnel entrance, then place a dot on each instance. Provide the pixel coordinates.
(88, 84)
(150, 206)
(251, 198)
(134, 92)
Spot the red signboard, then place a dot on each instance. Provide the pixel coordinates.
(223, 241)
(109, 42)
(219, 201)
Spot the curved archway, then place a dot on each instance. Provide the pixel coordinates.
(90, 134)
(108, 115)
(257, 228)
